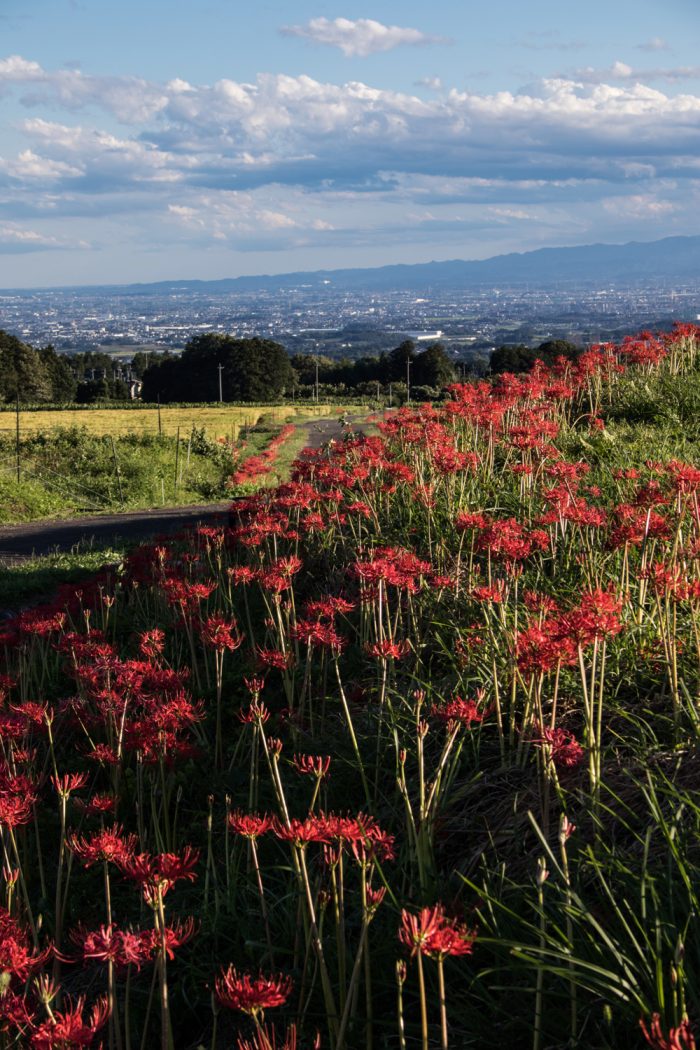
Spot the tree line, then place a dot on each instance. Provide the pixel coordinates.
(216, 367)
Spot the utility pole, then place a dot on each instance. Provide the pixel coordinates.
(408, 380)
(390, 402)
(17, 436)
(316, 380)
(221, 385)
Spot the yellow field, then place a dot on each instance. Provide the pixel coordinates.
(219, 421)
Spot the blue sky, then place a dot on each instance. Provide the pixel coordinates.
(151, 140)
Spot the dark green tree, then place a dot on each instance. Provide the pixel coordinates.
(433, 368)
(60, 373)
(251, 370)
(22, 371)
(551, 349)
(396, 361)
(514, 359)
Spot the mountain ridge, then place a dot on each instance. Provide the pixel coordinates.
(669, 257)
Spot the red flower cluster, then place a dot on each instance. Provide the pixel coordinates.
(252, 995)
(432, 933)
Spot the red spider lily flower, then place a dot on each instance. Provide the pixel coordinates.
(464, 711)
(158, 873)
(432, 933)
(15, 1012)
(312, 765)
(465, 521)
(538, 602)
(542, 646)
(598, 616)
(187, 595)
(565, 750)
(34, 713)
(250, 825)
(103, 753)
(388, 650)
(328, 607)
(18, 788)
(416, 930)
(257, 714)
(265, 1038)
(685, 477)
(15, 811)
(276, 659)
(365, 837)
(323, 635)
(254, 685)
(177, 934)
(98, 805)
(110, 944)
(278, 576)
(67, 1028)
(220, 634)
(152, 643)
(111, 844)
(452, 938)
(16, 956)
(312, 829)
(374, 898)
(63, 785)
(252, 995)
(493, 593)
(680, 1038)
(241, 574)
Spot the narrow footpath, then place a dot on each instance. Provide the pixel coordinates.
(19, 542)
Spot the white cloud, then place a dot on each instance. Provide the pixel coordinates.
(513, 213)
(623, 71)
(29, 165)
(15, 239)
(433, 83)
(16, 69)
(657, 43)
(284, 160)
(359, 38)
(640, 206)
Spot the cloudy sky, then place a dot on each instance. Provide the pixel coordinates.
(155, 139)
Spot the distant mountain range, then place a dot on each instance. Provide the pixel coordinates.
(673, 258)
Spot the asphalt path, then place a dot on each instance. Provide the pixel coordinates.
(19, 542)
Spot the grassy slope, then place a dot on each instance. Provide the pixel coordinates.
(65, 472)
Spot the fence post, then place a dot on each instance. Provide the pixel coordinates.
(117, 471)
(177, 458)
(17, 436)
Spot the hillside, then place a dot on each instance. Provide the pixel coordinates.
(406, 756)
(669, 259)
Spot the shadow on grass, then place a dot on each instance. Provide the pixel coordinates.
(27, 580)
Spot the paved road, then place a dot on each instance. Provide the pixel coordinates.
(18, 542)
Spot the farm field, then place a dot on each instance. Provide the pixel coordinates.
(69, 471)
(407, 757)
(225, 421)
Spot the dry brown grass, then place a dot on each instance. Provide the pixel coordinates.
(223, 421)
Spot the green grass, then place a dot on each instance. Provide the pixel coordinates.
(73, 472)
(39, 578)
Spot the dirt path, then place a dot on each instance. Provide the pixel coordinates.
(19, 542)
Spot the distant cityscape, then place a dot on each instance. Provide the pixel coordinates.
(336, 323)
